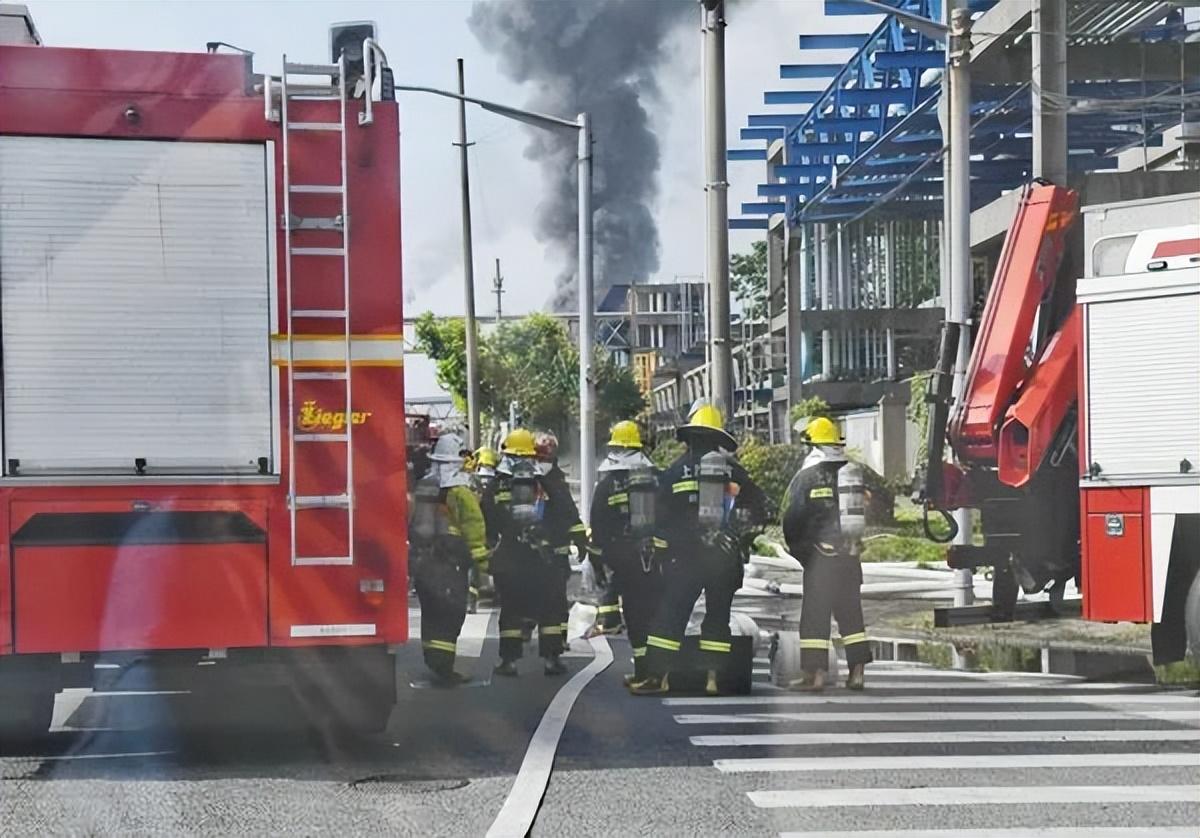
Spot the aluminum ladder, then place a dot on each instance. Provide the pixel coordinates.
(292, 91)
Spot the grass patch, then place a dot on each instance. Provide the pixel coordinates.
(935, 654)
(890, 547)
(1183, 673)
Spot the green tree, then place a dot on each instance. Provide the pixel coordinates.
(532, 362)
(810, 408)
(748, 279)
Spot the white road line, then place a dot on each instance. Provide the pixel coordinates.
(957, 737)
(474, 632)
(760, 671)
(957, 762)
(1015, 832)
(919, 683)
(943, 716)
(940, 700)
(972, 796)
(521, 806)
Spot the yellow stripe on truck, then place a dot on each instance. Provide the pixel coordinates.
(329, 351)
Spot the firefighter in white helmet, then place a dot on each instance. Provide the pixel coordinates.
(447, 535)
(823, 521)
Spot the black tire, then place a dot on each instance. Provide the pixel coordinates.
(24, 718)
(1191, 616)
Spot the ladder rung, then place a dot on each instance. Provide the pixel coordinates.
(319, 312)
(298, 223)
(320, 91)
(311, 69)
(318, 251)
(318, 560)
(322, 502)
(322, 437)
(316, 189)
(314, 126)
(320, 376)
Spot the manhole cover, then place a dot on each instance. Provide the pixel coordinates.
(396, 784)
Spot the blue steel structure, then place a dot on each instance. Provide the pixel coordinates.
(872, 137)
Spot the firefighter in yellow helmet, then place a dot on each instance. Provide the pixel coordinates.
(623, 543)
(708, 509)
(527, 572)
(823, 522)
(482, 465)
(447, 535)
(624, 454)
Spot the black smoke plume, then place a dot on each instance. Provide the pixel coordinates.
(600, 56)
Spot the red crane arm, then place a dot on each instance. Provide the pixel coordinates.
(1024, 278)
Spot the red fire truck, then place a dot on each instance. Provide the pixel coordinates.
(203, 457)
(1077, 436)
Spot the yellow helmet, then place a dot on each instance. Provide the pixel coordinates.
(487, 457)
(707, 420)
(519, 443)
(625, 435)
(822, 431)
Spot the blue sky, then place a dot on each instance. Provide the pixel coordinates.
(423, 38)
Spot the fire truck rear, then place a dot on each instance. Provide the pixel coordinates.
(1078, 432)
(203, 448)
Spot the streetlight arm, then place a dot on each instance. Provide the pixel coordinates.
(541, 120)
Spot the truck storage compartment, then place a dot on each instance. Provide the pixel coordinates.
(135, 287)
(1116, 564)
(92, 581)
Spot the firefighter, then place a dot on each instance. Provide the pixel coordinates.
(526, 571)
(823, 523)
(448, 536)
(623, 536)
(483, 464)
(708, 508)
(564, 528)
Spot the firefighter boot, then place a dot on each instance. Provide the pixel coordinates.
(854, 681)
(507, 668)
(811, 682)
(554, 666)
(652, 685)
(638, 674)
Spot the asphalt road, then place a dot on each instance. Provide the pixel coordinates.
(921, 753)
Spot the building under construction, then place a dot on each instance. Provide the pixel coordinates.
(1104, 96)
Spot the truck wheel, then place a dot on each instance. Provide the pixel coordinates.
(1192, 619)
(25, 717)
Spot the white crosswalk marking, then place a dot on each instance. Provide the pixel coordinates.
(959, 795)
(1184, 716)
(1117, 753)
(955, 737)
(941, 698)
(951, 762)
(1065, 832)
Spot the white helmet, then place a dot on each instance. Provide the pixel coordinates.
(448, 449)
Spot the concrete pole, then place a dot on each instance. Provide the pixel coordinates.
(1049, 47)
(889, 294)
(795, 267)
(587, 307)
(958, 196)
(717, 192)
(468, 272)
(822, 265)
(498, 290)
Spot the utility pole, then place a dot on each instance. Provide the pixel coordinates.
(958, 234)
(587, 308)
(468, 272)
(720, 369)
(498, 290)
(1049, 45)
